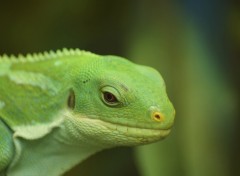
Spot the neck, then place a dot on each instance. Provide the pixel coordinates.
(55, 155)
(58, 151)
(74, 147)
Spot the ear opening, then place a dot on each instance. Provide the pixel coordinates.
(71, 99)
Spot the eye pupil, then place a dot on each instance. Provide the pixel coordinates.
(109, 97)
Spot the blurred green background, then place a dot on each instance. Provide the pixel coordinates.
(193, 43)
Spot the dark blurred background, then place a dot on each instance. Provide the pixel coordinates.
(193, 43)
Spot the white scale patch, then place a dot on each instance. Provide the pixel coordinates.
(57, 63)
(29, 78)
(34, 79)
(2, 104)
(4, 68)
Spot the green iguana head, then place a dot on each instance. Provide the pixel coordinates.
(117, 102)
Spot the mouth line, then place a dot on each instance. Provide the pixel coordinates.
(129, 125)
(138, 132)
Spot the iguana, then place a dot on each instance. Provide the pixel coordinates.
(58, 108)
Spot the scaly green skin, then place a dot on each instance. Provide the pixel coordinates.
(56, 109)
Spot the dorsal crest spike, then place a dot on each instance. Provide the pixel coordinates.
(21, 58)
(59, 52)
(65, 51)
(35, 57)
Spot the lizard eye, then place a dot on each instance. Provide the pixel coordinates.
(110, 96)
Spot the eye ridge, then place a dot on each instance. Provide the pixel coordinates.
(109, 97)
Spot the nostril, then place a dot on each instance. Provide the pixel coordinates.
(157, 116)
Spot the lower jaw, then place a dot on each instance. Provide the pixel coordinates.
(134, 135)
